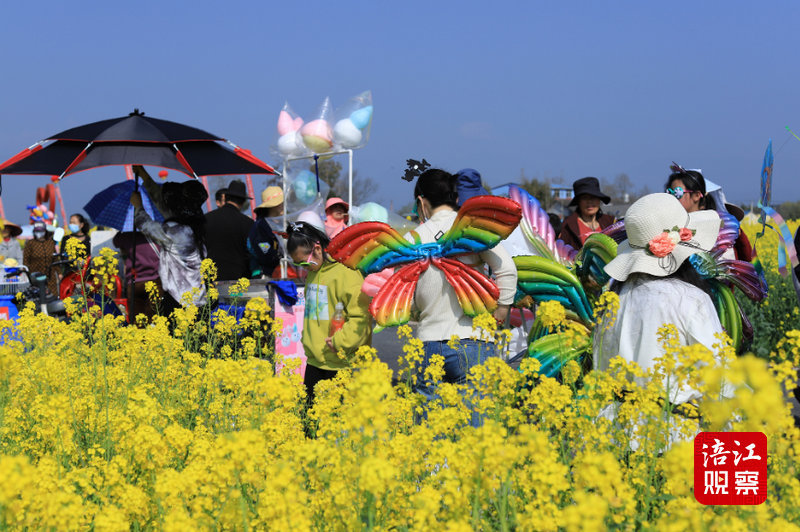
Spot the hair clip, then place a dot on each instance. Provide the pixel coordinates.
(415, 168)
(676, 168)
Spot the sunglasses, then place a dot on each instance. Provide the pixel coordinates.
(678, 192)
(308, 262)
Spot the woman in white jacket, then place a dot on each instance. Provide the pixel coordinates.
(440, 315)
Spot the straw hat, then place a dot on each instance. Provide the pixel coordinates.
(661, 236)
(12, 227)
(271, 197)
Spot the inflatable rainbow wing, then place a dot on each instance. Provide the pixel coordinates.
(536, 227)
(545, 280)
(477, 294)
(739, 273)
(482, 222)
(392, 304)
(373, 246)
(597, 251)
(728, 233)
(616, 231)
(555, 349)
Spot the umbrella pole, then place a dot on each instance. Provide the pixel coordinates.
(64, 219)
(132, 281)
(252, 193)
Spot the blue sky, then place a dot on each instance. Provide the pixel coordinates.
(555, 88)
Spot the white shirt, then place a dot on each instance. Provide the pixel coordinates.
(647, 304)
(440, 314)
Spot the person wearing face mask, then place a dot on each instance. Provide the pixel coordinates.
(79, 229)
(40, 253)
(330, 286)
(10, 250)
(336, 216)
(441, 317)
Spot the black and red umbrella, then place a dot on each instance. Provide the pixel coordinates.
(135, 139)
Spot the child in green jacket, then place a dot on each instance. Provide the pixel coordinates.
(327, 284)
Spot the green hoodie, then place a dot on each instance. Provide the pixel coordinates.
(332, 283)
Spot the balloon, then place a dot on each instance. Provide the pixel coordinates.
(361, 117)
(285, 123)
(317, 135)
(290, 144)
(347, 134)
(372, 212)
(305, 187)
(375, 281)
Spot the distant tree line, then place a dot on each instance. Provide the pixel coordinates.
(621, 189)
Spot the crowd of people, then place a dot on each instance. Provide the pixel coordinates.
(654, 287)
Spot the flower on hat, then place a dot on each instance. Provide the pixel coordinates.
(662, 244)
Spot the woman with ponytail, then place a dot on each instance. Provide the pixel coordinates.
(441, 317)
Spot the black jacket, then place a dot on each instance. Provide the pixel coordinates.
(226, 240)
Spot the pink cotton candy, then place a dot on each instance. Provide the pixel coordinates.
(285, 123)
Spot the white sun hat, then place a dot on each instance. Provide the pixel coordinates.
(312, 218)
(661, 236)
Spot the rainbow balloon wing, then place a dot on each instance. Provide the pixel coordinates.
(536, 227)
(597, 251)
(739, 273)
(545, 280)
(728, 233)
(554, 349)
(477, 294)
(373, 246)
(482, 222)
(616, 231)
(392, 304)
(730, 315)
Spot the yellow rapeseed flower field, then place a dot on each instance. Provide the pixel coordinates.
(186, 426)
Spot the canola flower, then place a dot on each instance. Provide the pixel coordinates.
(185, 425)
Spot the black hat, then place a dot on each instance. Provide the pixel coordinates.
(236, 189)
(590, 186)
